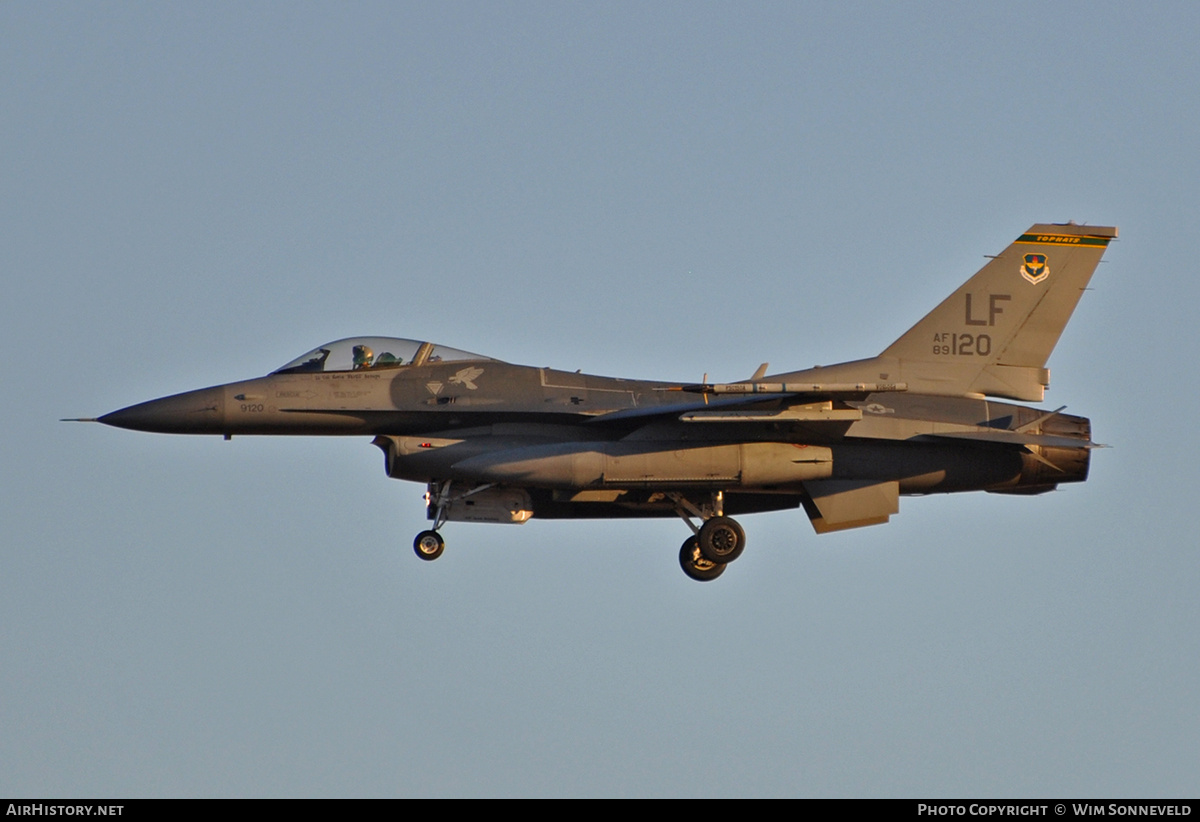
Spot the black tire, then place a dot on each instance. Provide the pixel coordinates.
(696, 566)
(429, 545)
(721, 540)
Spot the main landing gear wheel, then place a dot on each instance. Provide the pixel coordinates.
(721, 540)
(695, 565)
(429, 545)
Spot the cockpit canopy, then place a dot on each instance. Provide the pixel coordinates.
(373, 353)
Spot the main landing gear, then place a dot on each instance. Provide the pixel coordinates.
(695, 565)
(717, 542)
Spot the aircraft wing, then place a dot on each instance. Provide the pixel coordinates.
(803, 412)
(1007, 437)
(674, 409)
(758, 402)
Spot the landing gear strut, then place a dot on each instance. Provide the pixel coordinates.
(717, 542)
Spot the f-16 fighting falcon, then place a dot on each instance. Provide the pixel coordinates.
(503, 443)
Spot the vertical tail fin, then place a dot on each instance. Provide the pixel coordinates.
(994, 334)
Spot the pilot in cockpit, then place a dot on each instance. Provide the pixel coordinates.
(363, 357)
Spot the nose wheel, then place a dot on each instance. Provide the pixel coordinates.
(429, 545)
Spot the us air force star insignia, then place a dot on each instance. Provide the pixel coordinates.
(466, 377)
(434, 387)
(1036, 268)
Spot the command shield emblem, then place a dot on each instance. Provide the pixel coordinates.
(1036, 268)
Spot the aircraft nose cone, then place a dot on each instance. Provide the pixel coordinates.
(193, 412)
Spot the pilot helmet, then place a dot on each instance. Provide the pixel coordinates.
(363, 355)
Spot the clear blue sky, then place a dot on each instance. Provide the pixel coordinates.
(197, 193)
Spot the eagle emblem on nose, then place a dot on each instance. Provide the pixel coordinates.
(466, 377)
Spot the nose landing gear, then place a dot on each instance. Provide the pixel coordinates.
(429, 545)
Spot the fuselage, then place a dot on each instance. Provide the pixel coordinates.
(488, 421)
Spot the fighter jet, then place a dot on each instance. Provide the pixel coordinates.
(503, 443)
